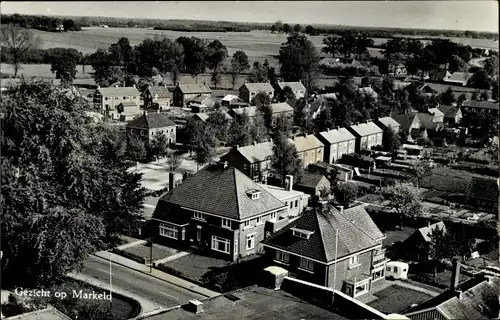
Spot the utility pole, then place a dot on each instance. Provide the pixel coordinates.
(110, 284)
(151, 255)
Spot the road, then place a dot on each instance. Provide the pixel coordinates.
(145, 286)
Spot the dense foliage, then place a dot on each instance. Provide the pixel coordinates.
(40, 22)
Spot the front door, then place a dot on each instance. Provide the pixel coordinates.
(198, 234)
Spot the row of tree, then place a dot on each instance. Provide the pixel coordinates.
(44, 23)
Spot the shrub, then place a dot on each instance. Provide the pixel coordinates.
(169, 270)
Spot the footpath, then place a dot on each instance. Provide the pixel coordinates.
(115, 258)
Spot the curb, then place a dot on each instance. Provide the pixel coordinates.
(151, 275)
(154, 313)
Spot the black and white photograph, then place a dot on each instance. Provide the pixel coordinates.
(295, 160)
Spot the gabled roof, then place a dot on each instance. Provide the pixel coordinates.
(436, 112)
(262, 86)
(257, 152)
(222, 192)
(161, 91)
(427, 231)
(355, 230)
(448, 111)
(151, 121)
(368, 91)
(306, 143)
(389, 122)
(230, 97)
(310, 180)
(337, 135)
(194, 88)
(281, 193)
(405, 119)
(364, 129)
(276, 107)
(482, 189)
(462, 77)
(295, 86)
(202, 116)
(490, 105)
(118, 91)
(202, 99)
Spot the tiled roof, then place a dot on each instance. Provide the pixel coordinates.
(368, 91)
(150, 121)
(310, 180)
(222, 192)
(307, 143)
(482, 189)
(337, 135)
(281, 193)
(405, 119)
(194, 88)
(295, 86)
(364, 129)
(202, 116)
(230, 97)
(257, 152)
(161, 91)
(355, 230)
(202, 99)
(264, 86)
(389, 122)
(490, 105)
(281, 107)
(436, 112)
(49, 313)
(118, 92)
(251, 111)
(427, 121)
(448, 111)
(458, 77)
(427, 231)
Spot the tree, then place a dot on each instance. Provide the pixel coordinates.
(346, 193)
(70, 25)
(331, 45)
(297, 28)
(346, 44)
(121, 55)
(271, 72)
(273, 28)
(239, 134)
(310, 30)
(259, 73)
(64, 66)
(136, 149)
(390, 140)
(286, 28)
(174, 161)
(61, 197)
(216, 54)
(461, 98)
(324, 121)
(159, 146)
(447, 97)
(204, 152)
(239, 63)
(491, 67)
(406, 201)
(279, 26)
(285, 160)
(494, 91)
(18, 43)
(103, 71)
(393, 51)
(258, 129)
(420, 170)
(218, 124)
(195, 52)
(283, 124)
(286, 95)
(480, 80)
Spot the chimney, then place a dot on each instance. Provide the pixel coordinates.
(204, 83)
(116, 86)
(98, 86)
(289, 183)
(254, 143)
(428, 224)
(133, 85)
(171, 181)
(236, 147)
(455, 275)
(341, 209)
(195, 306)
(145, 112)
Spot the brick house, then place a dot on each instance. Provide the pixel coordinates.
(298, 88)
(295, 200)
(279, 110)
(367, 135)
(228, 220)
(149, 125)
(337, 142)
(337, 249)
(386, 122)
(158, 97)
(109, 98)
(249, 90)
(417, 244)
(186, 92)
(309, 149)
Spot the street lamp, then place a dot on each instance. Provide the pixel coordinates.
(150, 243)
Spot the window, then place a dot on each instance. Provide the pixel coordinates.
(125, 98)
(106, 98)
(306, 264)
(142, 132)
(353, 261)
(169, 231)
(296, 203)
(220, 244)
(134, 97)
(282, 256)
(198, 215)
(299, 234)
(116, 98)
(246, 223)
(132, 131)
(235, 246)
(378, 274)
(291, 204)
(226, 223)
(273, 216)
(259, 220)
(255, 195)
(183, 234)
(250, 241)
(361, 288)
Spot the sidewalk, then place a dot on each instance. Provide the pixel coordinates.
(131, 244)
(173, 257)
(156, 273)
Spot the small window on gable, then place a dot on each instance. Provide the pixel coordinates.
(273, 216)
(301, 233)
(253, 194)
(246, 223)
(226, 223)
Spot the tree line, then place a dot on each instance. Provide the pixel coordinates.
(44, 23)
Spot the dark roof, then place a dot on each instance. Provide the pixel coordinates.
(356, 231)
(449, 111)
(427, 121)
(490, 105)
(222, 192)
(161, 91)
(388, 122)
(405, 120)
(151, 121)
(254, 303)
(482, 189)
(194, 88)
(310, 180)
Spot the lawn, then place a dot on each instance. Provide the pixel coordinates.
(447, 179)
(159, 252)
(194, 266)
(395, 299)
(443, 279)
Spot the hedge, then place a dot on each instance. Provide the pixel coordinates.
(129, 255)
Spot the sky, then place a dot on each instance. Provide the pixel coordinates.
(476, 15)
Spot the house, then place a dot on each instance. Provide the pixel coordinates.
(249, 90)
(298, 88)
(427, 89)
(342, 172)
(203, 117)
(128, 111)
(368, 92)
(158, 97)
(452, 114)
(414, 123)
(417, 244)
(482, 192)
(309, 149)
(490, 107)
(151, 124)
(398, 70)
(340, 249)
(219, 209)
(338, 141)
(201, 101)
(282, 109)
(438, 115)
(296, 201)
(312, 183)
(229, 100)
(186, 92)
(388, 122)
(367, 135)
(476, 298)
(108, 99)
(458, 78)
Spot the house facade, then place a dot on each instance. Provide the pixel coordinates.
(417, 244)
(108, 99)
(337, 249)
(149, 125)
(298, 89)
(367, 135)
(249, 90)
(158, 98)
(228, 221)
(338, 141)
(312, 183)
(452, 114)
(186, 92)
(309, 149)
(253, 160)
(127, 111)
(295, 201)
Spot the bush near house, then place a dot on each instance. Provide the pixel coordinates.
(341, 69)
(356, 160)
(128, 255)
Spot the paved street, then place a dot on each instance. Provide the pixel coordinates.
(147, 287)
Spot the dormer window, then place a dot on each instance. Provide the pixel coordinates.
(253, 194)
(301, 233)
